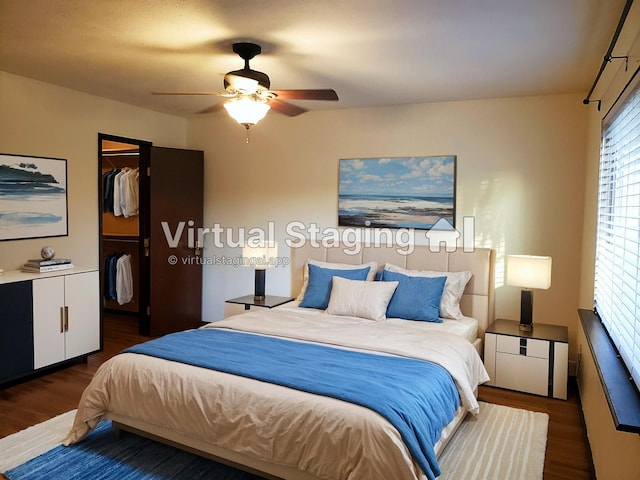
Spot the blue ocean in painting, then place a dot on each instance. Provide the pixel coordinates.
(28, 218)
(17, 189)
(399, 211)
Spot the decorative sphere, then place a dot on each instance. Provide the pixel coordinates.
(47, 253)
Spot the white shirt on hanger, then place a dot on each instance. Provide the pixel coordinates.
(124, 280)
(129, 193)
(117, 193)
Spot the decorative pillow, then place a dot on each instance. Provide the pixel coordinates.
(415, 298)
(453, 288)
(356, 298)
(336, 266)
(318, 289)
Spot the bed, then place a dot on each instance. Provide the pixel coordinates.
(320, 427)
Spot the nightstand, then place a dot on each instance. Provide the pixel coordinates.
(532, 362)
(269, 301)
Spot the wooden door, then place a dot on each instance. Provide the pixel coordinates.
(175, 275)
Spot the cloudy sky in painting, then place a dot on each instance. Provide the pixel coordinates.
(398, 176)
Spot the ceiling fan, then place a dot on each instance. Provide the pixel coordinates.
(249, 95)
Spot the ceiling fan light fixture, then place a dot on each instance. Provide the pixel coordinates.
(246, 111)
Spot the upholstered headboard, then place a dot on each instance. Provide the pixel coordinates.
(478, 298)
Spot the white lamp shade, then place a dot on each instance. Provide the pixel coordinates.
(529, 271)
(246, 111)
(260, 256)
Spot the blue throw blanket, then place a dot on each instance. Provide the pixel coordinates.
(417, 397)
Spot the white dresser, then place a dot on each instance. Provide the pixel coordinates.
(47, 319)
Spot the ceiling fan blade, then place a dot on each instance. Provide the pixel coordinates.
(286, 108)
(212, 108)
(218, 94)
(319, 94)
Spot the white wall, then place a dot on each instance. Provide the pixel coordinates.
(44, 120)
(519, 173)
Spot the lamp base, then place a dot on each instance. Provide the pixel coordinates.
(526, 311)
(259, 292)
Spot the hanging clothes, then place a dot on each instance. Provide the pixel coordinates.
(118, 278)
(129, 193)
(121, 191)
(124, 280)
(107, 189)
(117, 189)
(110, 276)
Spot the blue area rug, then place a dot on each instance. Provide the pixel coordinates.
(103, 456)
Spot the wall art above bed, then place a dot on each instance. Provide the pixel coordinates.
(33, 197)
(397, 192)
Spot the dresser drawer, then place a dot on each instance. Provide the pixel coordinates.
(522, 346)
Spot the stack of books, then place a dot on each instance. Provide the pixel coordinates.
(39, 265)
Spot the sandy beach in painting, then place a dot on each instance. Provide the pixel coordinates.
(393, 211)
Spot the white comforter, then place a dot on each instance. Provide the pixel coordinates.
(322, 436)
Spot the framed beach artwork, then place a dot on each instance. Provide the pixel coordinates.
(397, 192)
(33, 197)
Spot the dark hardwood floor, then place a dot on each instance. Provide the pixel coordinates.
(45, 397)
(568, 455)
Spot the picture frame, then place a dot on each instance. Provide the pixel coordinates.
(398, 192)
(33, 197)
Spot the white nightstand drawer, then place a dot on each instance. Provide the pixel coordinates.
(525, 374)
(522, 346)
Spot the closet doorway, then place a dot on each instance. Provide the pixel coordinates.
(142, 187)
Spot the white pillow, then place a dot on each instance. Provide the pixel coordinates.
(453, 288)
(363, 299)
(336, 266)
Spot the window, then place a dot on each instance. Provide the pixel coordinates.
(617, 271)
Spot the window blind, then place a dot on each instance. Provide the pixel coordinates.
(617, 268)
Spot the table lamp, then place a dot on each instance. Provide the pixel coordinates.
(259, 256)
(530, 272)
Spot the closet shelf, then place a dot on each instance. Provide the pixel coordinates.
(121, 238)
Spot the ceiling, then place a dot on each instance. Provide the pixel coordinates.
(372, 52)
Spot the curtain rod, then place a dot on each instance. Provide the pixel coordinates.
(608, 57)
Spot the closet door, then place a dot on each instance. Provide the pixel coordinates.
(175, 198)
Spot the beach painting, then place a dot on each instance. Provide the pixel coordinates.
(397, 192)
(33, 197)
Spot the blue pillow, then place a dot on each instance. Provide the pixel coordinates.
(320, 282)
(415, 298)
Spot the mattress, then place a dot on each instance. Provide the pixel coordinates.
(465, 327)
(272, 424)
